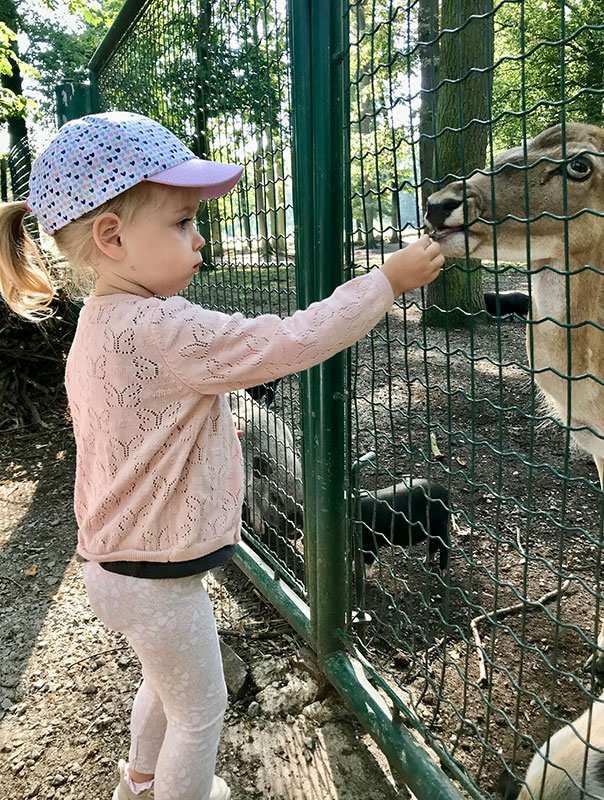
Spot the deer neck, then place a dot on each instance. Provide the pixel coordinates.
(561, 288)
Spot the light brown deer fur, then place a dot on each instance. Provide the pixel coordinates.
(556, 252)
(573, 777)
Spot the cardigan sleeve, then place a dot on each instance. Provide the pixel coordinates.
(211, 352)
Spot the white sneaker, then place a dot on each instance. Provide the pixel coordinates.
(123, 791)
(220, 791)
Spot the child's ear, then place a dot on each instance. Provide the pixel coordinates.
(106, 231)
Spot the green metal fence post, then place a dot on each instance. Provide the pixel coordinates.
(73, 101)
(302, 169)
(317, 37)
(332, 579)
(95, 103)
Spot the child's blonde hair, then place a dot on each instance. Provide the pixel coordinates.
(25, 281)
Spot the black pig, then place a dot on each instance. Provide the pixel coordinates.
(509, 303)
(405, 515)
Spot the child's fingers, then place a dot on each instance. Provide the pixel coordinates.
(433, 249)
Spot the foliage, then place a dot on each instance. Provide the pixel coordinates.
(549, 66)
(94, 14)
(384, 112)
(61, 52)
(12, 104)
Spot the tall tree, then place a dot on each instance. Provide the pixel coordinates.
(61, 45)
(60, 55)
(381, 110)
(463, 113)
(427, 32)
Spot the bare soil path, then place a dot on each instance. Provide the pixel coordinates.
(66, 683)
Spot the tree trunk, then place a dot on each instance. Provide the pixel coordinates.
(271, 196)
(463, 148)
(281, 220)
(395, 220)
(19, 161)
(245, 215)
(217, 246)
(427, 32)
(262, 229)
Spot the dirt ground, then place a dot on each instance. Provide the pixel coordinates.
(66, 683)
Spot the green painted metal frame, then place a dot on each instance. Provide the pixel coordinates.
(407, 758)
(122, 24)
(287, 602)
(317, 87)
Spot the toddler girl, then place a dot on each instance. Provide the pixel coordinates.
(158, 486)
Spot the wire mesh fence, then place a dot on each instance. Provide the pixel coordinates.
(488, 673)
(217, 75)
(476, 625)
(15, 167)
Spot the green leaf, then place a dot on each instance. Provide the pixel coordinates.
(27, 69)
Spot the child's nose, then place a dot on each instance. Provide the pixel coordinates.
(199, 241)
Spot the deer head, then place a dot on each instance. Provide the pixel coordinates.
(534, 206)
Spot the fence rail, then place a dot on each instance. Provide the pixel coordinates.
(347, 119)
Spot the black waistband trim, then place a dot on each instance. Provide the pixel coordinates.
(170, 569)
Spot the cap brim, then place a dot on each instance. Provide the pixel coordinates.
(213, 178)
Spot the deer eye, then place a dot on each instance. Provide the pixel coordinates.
(578, 168)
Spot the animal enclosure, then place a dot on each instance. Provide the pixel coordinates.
(348, 118)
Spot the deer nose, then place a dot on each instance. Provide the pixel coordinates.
(438, 212)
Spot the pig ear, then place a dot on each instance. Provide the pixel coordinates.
(262, 465)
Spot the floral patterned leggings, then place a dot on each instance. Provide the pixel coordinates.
(178, 709)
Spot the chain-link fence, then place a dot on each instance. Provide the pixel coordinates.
(472, 631)
(15, 167)
(488, 673)
(217, 75)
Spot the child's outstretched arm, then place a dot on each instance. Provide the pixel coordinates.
(418, 264)
(212, 352)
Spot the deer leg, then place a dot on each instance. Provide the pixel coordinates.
(599, 654)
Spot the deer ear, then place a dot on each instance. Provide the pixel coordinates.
(262, 466)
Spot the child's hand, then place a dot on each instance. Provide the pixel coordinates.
(418, 264)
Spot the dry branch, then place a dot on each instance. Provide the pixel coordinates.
(523, 605)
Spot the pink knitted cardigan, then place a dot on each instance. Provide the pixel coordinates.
(159, 472)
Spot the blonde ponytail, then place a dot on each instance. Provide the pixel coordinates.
(24, 280)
